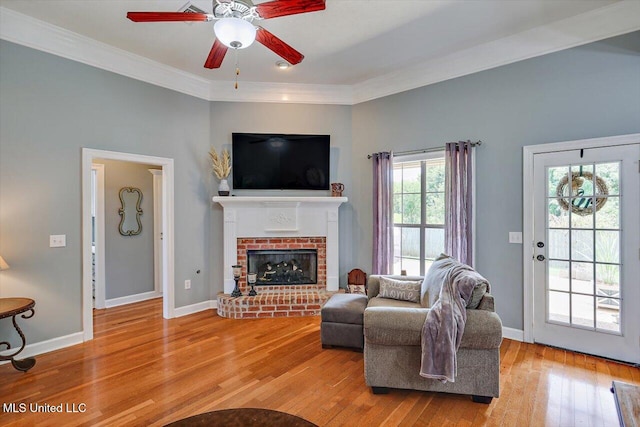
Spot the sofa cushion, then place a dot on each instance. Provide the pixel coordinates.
(403, 290)
(478, 290)
(388, 302)
(344, 308)
(403, 326)
(487, 303)
(394, 325)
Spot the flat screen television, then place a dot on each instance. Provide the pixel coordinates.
(263, 161)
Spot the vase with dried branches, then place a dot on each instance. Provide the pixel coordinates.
(221, 166)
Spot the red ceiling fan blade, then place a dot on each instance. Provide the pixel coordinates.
(218, 51)
(168, 16)
(276, 8)
(278, 46)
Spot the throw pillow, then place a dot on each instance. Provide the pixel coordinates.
(403, 290)
(480, 287)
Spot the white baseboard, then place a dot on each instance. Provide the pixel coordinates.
(53, 344)
(131, 299)
(512, 334)
(195, 308)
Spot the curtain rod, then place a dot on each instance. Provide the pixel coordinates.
(426, 150)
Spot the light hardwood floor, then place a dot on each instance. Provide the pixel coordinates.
(143, 370)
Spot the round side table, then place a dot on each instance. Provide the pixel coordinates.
(12, 307)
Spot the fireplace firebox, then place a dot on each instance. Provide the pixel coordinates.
(284, 266)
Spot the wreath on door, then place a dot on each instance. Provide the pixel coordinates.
(582, 206)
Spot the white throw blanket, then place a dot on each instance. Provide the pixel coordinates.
(444, 325)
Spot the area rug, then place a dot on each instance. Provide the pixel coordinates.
(253, 417)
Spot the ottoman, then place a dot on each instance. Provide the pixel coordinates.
(342, 319)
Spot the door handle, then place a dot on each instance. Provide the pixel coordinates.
(540, 258)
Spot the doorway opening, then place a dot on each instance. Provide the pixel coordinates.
(126, 268)
(93, 229)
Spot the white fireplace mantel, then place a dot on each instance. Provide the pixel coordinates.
(246, 217)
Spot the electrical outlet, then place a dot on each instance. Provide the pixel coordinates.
(58, 241)
(187, 284)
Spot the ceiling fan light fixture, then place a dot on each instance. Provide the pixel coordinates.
(283, 65)
(235, 33)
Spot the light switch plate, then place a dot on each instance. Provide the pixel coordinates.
(57, 241)
(515, 237)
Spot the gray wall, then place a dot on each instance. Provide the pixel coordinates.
(230, 117)
(50, 108)
(128, 259)
(585, 92)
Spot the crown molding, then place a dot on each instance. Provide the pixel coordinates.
(27, 31)
(618, 18)
(609, 21)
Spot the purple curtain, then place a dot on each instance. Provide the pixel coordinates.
(458, 201)
(382, 212)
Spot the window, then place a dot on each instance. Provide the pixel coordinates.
(418, 212)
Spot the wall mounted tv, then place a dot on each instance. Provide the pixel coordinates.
(263, 161)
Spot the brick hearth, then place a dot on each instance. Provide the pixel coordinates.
(288, 301)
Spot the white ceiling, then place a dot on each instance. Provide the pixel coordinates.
(354, 50)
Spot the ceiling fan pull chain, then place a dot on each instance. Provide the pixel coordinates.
(237, 68)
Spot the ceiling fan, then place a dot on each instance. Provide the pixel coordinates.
(234, 26)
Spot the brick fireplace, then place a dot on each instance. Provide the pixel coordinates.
(275, 224)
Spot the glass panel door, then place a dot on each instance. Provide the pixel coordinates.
(586, 251)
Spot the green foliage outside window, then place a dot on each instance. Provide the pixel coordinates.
(406, 190)
(412, 203)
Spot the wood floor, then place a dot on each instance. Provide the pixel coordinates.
(143, 370)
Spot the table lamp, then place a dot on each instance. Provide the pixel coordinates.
(3, 264)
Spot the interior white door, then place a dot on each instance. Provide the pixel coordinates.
(98, 249)
(157, 229)
(587, 251)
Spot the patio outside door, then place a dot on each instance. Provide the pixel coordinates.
(587, 251)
